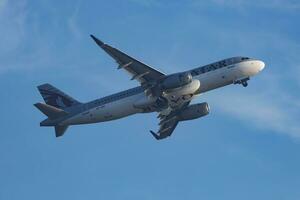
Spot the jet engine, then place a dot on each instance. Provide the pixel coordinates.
(194, 111)
(176, 80)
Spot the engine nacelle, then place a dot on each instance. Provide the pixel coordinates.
(176, 80)
(194, 111)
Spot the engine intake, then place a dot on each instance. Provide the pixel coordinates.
(176, 80)
(194, 111)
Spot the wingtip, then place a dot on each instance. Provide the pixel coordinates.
(92, 36)
(155, 135)
(99, 42)
(43, 85)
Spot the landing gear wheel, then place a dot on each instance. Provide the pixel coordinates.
(245, 83)
(162, 102)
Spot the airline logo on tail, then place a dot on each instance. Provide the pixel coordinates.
(55, 97)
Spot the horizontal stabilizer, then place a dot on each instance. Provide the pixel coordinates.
(50, 111)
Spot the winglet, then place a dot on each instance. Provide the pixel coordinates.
(156, 136)
(99, 42)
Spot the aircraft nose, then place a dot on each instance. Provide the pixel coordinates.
(261, 65)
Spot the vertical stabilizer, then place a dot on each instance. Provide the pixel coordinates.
(55, 97)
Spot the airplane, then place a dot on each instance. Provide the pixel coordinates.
(169, 95)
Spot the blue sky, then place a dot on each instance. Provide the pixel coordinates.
(247, 148)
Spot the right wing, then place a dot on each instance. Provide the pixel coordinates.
(139, 71)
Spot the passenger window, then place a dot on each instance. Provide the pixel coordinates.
(194, 73)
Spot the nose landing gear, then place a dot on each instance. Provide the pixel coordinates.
(244, 82)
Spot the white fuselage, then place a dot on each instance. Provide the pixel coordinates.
(207, 81)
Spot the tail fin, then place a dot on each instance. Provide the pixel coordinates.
(55, 97)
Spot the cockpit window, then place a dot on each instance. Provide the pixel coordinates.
(245, 58)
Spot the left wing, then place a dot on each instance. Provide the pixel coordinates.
(139, 71)
(166, 129)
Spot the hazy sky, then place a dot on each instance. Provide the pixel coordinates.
(247, 148)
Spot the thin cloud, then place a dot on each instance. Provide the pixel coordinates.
(25, 36)
(12, 30)
(72, 21)
(240, 4)
(3, 3)
(259, 110)
(146, 3)
(269, 105)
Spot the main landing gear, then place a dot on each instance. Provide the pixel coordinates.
(244, 82)
(162, 102)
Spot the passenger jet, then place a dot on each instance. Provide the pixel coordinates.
(169, 95)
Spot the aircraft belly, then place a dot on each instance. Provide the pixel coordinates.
(114, 110)
(110, 111)
(82, 118)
